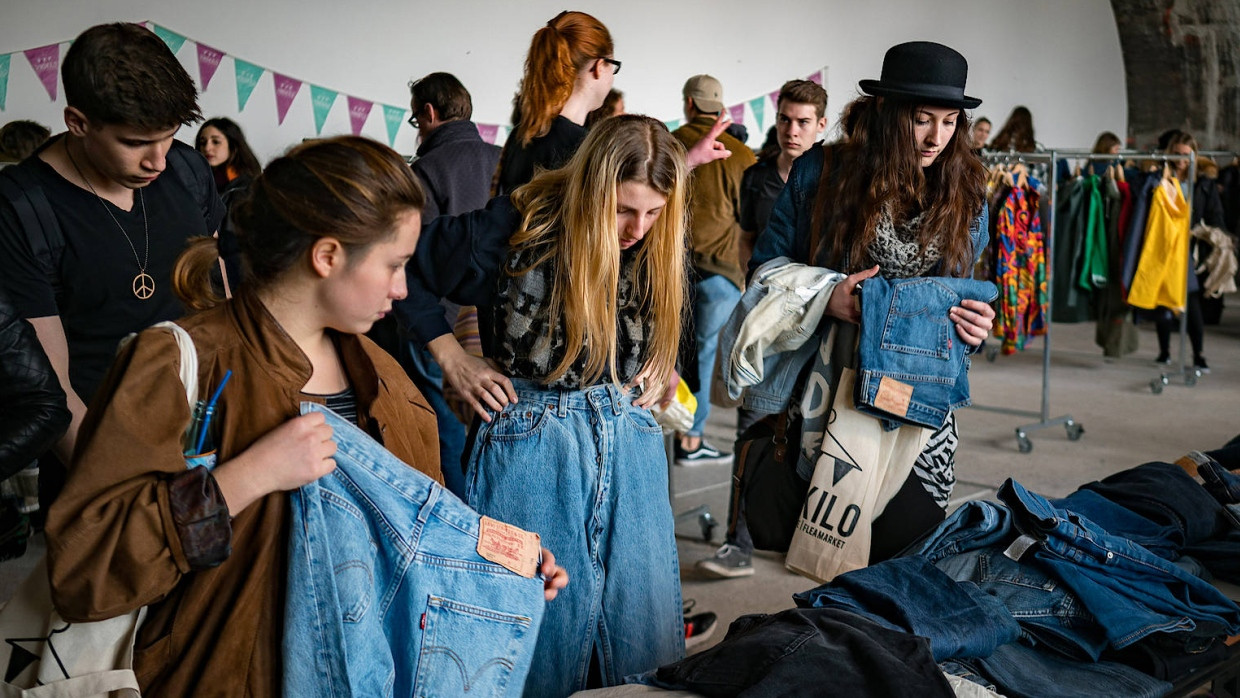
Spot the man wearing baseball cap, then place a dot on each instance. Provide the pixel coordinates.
(715, 230)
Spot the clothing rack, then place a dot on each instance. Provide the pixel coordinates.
(1186, 373)
(1073, 428)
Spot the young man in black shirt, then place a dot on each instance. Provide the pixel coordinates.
(92, 223)
(800, 121)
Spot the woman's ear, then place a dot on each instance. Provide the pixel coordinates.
(327, 256)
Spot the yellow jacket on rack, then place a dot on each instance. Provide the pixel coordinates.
(1160, 277)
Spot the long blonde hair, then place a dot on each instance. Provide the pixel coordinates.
(569, 215)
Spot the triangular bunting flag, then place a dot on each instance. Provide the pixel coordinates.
(46, 63)
(359, 110)
(488, 132)
(737, 112)
(286, 92)
(247, 79)
(816, 78)
(208, 60)
(322, 99)
(174, 40)
(672, 125)
(757, 105)
(393, 116)
(4, 78)
(774, 97)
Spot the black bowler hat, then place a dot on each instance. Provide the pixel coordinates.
(923, 71)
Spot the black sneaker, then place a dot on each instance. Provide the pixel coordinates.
(698, 628)
(729, 561)
(704, 453)
(1199, 363)
(1164, 358)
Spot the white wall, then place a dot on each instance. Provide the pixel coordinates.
(1061, 58)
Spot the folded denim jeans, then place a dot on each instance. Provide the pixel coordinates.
(912, 366)
(387, 593)
(1019, 671)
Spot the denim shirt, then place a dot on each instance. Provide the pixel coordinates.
(912, 367)
(787, 234)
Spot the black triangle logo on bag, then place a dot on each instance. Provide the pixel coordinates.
(20, 658)
(842, 468)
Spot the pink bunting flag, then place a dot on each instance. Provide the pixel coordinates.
(208, 60)
(359, 109)
(737, 112)
(488, 132)
(816, 78)
(46, 63)
(775, 97)
(286, 92)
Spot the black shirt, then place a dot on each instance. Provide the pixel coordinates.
(760, 186)
(518, 163)
(96, 271)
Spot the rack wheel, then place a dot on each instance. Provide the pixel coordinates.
(1023, 443)
(1190, 378)
(708, 524)
(1074, 431)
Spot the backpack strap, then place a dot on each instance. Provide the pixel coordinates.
(38, 221)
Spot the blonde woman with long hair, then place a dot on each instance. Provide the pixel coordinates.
(582, 272)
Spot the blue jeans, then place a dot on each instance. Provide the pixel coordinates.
(587, 471)
(386, 593)
(716, 296)
(1018, 671)
(428, 376)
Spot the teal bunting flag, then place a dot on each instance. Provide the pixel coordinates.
(4, 79)
(393, 116)
(322, 99)
(247, 79)
(758, 106)
(174, 40)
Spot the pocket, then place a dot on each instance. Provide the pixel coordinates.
(917, 321)
(470, 650)
(516, 422)
(353, 557)
(642, 420)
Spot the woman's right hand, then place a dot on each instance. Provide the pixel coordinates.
(842, 305)
(293, 454)
(479, 381)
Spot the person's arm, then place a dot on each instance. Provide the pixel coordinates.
(51, 335)
(33, 414)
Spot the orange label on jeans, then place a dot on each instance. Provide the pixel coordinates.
(893, 396)
(507, 545)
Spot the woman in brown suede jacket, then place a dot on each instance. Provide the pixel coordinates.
(326, 234)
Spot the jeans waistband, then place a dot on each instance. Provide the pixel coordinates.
(603, 395)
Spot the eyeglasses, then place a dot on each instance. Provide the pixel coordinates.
(612, 62)
(413, 120)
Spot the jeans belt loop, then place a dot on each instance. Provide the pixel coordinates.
(617, 398)
(561, 405)
(424, 512)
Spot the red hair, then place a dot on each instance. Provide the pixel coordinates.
(558, 52)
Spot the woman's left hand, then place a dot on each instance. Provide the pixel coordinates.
(974, 320)
(555, 577)
(709, 149)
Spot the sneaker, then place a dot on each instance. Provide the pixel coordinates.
(704, 453)
(1199, 363)
(1164, 358)
(728, 561)
(698, 628)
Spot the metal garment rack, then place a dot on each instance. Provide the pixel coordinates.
(1186, 373)
(1071, 426)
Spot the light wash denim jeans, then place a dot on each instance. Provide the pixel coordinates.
(387, 594)
(587, 471)
(713, 304)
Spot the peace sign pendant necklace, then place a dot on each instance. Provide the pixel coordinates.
(143, 283)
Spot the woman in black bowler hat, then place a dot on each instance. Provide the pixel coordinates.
(902, 196)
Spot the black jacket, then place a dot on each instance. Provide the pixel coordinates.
(33, 414)
(456, 167)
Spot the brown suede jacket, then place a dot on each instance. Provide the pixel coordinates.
(134, 527)
(715, 202)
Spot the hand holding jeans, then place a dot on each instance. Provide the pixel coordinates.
(555, 577)
(291, 455)
(479, 381)
(843, 303)
(974, 320)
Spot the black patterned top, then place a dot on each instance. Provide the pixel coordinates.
(526, 347)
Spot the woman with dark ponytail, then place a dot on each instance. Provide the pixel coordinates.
(325, 233)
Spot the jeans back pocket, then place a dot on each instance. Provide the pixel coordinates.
(468, 650)
(917, 321)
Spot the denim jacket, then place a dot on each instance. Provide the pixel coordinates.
(769, 330)
(787, 235)
(912, 367)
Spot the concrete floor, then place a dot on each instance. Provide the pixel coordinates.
(1125, 424)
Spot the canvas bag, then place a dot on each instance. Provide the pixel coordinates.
(43, 655)
(859, 469)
